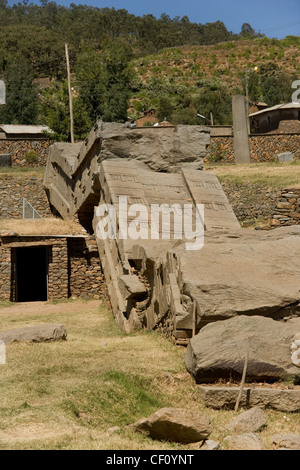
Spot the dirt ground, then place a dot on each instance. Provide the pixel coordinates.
(46, 308)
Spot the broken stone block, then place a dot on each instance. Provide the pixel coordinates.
(252, 420)
(286, 441)
(248, 441)
(210, 445)
(131, 286)
(295, 350)
(285, 157)
(267, 398)
(35, 334)
(176, 425)
(219, 350)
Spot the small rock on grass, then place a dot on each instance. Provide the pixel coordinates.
(286, 441)
(252, 420)
(210, 445)
(248, 441)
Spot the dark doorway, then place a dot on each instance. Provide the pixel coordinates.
(32, 274)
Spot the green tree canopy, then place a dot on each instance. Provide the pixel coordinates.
(214, 98)
(21, 96)
(55, 112)
(102, 79)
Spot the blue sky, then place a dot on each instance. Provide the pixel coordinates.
(275, 18)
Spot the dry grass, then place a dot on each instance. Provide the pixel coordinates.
(47, 226)
(275, 175)
(67, 395)
(17, 171)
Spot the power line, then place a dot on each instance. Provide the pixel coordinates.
(275, 28)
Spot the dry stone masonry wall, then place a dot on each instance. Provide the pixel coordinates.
(274, 206)
(287, 210)
(86, 277)
(263, 148)
(18, 148)
(13, 189)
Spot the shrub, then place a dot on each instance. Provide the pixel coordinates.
(31, 157)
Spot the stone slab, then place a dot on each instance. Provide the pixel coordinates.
(206, 189)
(285, 157)
(35, 334)
(225, 398)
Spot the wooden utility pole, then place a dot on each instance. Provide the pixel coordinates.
(243, 378)
(70, 95)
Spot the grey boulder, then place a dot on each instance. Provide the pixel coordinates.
(252, 420)
(286, 441)
(219, 350)
(35, 334)
(248, 441)
(176, 425)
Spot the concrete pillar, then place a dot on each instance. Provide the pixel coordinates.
(240, 130)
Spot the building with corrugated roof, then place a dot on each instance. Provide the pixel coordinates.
(18, 131)
(269, 119)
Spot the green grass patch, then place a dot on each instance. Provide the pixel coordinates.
(5, 303)
(115, 398)
(22, 171)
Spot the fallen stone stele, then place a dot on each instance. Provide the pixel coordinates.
(35, 334)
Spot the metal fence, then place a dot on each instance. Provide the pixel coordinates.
(29, 211)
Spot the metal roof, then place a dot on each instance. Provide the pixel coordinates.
(22, 129)
(278, 106)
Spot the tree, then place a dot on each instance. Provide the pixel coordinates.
(270, 84)
(247, 31)
(185, 116)
(165, 108)
(54, 111)
(103, 80)
(214, 98)
(21, 96)
(275, 84)
(36, 45)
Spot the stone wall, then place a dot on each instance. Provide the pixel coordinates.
(263, 148)
(58, 275)
(12, 191)
(287, 210)
(86, 277)
(5, 274)
(250, 201)
(18, 148)
(274, 207)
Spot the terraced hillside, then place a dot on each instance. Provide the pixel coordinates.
(184, 71)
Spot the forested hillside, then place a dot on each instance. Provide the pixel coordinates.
(122, 64)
